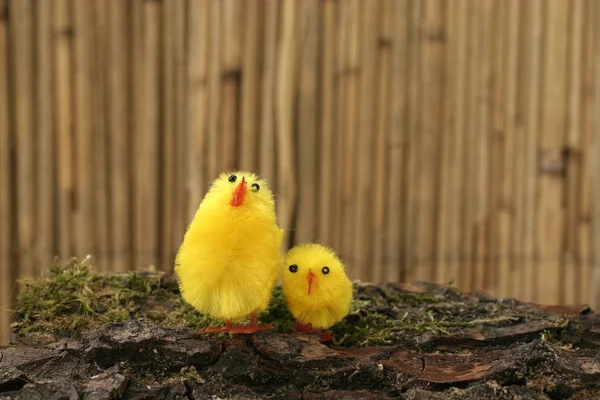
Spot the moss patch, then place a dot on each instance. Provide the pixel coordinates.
(73, 298)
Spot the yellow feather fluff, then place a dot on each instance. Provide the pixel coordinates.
(230, 257)
(323, 298)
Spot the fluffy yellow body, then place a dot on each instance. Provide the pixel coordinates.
(323, 298)
(230, 257)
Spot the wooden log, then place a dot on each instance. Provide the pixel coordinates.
(305, 226)
(550, 161)
(45, 242)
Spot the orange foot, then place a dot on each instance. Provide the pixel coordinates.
(229, 328)
(325, 336)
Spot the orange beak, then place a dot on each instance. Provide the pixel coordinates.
(238, 194)
(310, 278)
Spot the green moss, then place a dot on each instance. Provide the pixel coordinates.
(73, 298)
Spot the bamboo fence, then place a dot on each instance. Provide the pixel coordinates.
(447, 141)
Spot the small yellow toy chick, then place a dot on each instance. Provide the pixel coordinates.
(316, 288)
(230, 257)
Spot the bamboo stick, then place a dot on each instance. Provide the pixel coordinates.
(414, 131)
(550, 165)
(267, 120)
(84, 190)
(326, 221)
(448, 136)
(146, 153)
(63, 91)
(572, 267)
(230, 85)
(482, 149)
(180, 143)
(44, 122)
(382, 115)
(507, 200)
(496, 141)
(99, 126)
(20, 26)
(349, 138)
(431, 109)
(362, 185)
(214, 89)
(308, 104)
(533, 82)
(587, 132)
(119, 163)
(397, 143)
(167, 148)
(342, 73)
(7, 225)
(520, 153)
(197, 103)
(457, 183)
(595, 164)
(250, 88)
(286, 179)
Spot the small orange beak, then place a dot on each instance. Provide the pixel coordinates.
(238, 194)
(310, 278)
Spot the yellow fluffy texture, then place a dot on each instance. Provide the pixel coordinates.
(230, 257)
(331, 294)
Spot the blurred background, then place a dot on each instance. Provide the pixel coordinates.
(447, 141)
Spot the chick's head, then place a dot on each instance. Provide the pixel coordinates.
(315, 277)
(240, 191)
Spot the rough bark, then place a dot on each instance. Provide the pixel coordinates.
(552, 354)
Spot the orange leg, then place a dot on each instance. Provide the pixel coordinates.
(300, 327)
(229, 328)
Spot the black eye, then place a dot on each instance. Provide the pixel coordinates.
(232, 178)
(293, 268)
(255, 187)
(325, 270)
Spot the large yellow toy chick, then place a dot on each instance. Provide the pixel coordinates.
(316, 288)
(230, 257)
